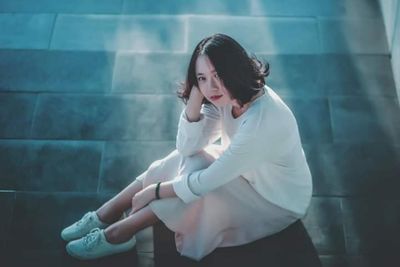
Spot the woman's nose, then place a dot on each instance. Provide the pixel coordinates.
(213, 84)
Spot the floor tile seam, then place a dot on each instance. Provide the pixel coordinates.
(53, 26)
(100, 169)
(34, 115)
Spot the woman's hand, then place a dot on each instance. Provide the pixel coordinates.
(143, 198)
(196, 94)
(193, 106)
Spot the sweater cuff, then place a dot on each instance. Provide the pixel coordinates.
(191, 128)
(182, 190)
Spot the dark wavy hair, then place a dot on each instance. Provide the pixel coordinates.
(242, 74)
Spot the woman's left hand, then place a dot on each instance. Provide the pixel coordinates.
(142, 198)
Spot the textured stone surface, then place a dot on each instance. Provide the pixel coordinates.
(128, 117)
(49, 166)
(354, 169)
(313, 119)
(371, 227)
(42, 216)
(357, 75)
(324, 223)
(295, 75)
(7, 202)
(221, 7)
(359, 36)
(124, 161)
(109, 32)
(16, 114)
(56, 71)
(368, 119)
(70, 6)
(152, 73)
(25, 30)
(274, 35)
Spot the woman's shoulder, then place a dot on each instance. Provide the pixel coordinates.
(270, 110)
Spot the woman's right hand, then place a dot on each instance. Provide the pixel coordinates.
(194, 104)
(196, 94)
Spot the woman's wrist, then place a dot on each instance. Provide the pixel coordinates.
(157, 191)
(193, 106)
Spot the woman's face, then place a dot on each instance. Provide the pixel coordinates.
(209, 83)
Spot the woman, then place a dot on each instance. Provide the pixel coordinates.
(253, 184)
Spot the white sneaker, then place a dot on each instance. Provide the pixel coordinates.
(95, 245)
(80, 228)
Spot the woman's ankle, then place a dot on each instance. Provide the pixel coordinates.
(113, 236)
(107, 218)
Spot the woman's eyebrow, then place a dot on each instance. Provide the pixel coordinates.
(200, 73)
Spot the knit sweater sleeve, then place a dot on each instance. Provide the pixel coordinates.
(253, 144)
(194, 136)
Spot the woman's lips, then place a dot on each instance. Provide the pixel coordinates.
(215, 97)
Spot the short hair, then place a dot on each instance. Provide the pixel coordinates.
(242, 74)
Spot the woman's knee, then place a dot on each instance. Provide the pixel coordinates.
(200, 160)
(175, 164)
(162, 169)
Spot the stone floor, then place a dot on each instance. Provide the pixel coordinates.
(76, 75)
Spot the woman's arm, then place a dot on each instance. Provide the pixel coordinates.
(199, 125)
(254, 143)
(193, 106)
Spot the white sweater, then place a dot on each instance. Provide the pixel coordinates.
(262, 145)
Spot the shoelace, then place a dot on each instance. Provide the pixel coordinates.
(84, 218)
(92, 238)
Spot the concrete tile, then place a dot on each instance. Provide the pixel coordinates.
(49, 166)
(324, 223)
(357, 75)
(145, 259)
(358, 36)
(313, 119)
(152, 73)
(12, 161)
(59, 209)
(295, 75)
(222, 7)
(371, 228)
(327, 8)
(144, 242)
(124, 161)
(108, 32)
(365, 119)
(55, 71)
(107, 117)
(37, 241)
(259, 35)
(16, 113)
(71, 6)
(25, 30)
(334, 260)
(59, 257)
(7, 202)
(354, 169)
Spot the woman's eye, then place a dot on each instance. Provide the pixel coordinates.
(216, 76)
(200, 79)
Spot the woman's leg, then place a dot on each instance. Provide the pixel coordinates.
(112, 210)
(123, 230)
(159, 170)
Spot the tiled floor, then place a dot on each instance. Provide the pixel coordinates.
(75, 75)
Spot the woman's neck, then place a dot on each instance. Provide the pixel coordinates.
(237, 111)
